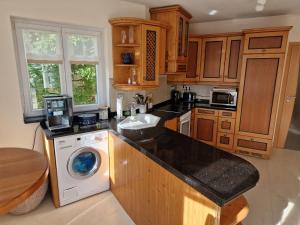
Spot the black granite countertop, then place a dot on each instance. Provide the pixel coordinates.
(218, 175)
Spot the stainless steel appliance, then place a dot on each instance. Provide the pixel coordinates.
(223, 97)
(59, 112)
(87, 119)
(185, 124)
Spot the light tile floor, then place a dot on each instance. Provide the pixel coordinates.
(274, 201)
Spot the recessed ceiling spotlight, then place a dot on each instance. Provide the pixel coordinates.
(259, 8)
(213, 12)
(261, 2)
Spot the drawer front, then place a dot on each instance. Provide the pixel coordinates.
(269, 42)
(226, 125)
(225, 140)
(254, 146)
(204, 111)
(225, 113)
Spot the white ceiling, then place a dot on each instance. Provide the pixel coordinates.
(228, 9)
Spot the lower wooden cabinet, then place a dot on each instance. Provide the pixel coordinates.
(225, 141)
(205, 128)
(172, 124)
(258, 147)
(152, 195)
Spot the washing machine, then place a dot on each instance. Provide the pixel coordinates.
(82, 165)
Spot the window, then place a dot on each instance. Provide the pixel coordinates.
(56, 59)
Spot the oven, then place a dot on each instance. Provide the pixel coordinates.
(223, 97)
(185, 124)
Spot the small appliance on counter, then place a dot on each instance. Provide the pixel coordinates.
(175, 96)
(59, 112)
(87, 119)
(188, 96)
(223, 97)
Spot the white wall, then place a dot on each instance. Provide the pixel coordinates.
(95, 13)
(236, 25)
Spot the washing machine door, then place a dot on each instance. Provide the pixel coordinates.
(84, 163)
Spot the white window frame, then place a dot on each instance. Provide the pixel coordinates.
(63, 30)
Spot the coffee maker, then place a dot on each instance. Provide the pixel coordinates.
(59, 112)
(175, 96)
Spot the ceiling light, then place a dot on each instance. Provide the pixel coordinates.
(261, 2)
(259, 8)
(213, 12)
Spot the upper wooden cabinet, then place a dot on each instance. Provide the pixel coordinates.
(177, 20)
(137, 50)
(193, 65)
(234, 50)
(266, 40)
(213, 58)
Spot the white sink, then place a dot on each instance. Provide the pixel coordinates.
(140, 121)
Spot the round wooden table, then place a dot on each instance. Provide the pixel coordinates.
(22, 172)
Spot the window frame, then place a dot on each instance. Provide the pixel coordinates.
(19, 24)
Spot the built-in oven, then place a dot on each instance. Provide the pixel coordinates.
(223, 97)
(185, 124)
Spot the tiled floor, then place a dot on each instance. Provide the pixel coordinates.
(274, 201)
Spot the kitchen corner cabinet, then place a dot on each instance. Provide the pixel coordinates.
(152, 195)
(141, 40)
(192, 74)
(177, 20)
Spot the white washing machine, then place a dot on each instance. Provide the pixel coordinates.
(82, 165)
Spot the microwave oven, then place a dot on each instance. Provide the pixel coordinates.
(223, 97)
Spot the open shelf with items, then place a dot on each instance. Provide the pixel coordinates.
(136, 52)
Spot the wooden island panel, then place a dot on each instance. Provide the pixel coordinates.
(152, 195)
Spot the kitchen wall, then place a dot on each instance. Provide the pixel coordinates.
(95, 13)
(236, 25)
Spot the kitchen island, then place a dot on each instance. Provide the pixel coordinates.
(163, 177)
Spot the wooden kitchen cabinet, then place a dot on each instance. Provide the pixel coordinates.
(214, 127)
(146, 50)
(213, 59)
(226, 125)
(258, 147)
(205, 128)
(259, 95)
(266, 40)
(177, 20)
(152, 195)
(232, 69)
(193, 65)
(225, 141)
(172, 124)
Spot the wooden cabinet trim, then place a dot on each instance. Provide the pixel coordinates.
(275, 96)
(222, 58)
